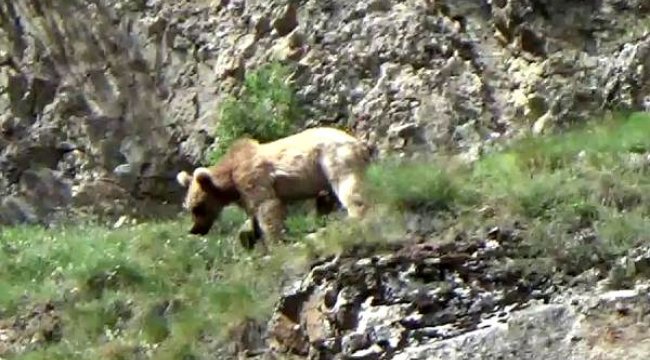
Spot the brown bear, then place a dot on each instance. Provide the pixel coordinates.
(262, 178)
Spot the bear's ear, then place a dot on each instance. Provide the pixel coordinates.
(204, 178)
(183, 178)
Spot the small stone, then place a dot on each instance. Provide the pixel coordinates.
(353, 342)
(66, 147)
(296, 38)
(532, 42)
(156, 25)
(283, 51)
(120, 222)
(372, 353)
(622, 309)
(262, 25)
(403, 130)
(380, 5)
(536, 105)
(646, 103)
(182, 43)
(229, 66)
(246, 46)
(15, 210)
(123, 170)
(493, 233)
(5, 57)
(364, 262)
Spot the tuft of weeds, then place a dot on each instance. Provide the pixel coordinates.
(413, 184)
(381, 226)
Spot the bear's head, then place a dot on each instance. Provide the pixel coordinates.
(204, 199)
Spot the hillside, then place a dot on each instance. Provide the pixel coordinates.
(510, 187)
(542, 235)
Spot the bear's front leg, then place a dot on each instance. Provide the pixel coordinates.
(255, 185)
(270, 215)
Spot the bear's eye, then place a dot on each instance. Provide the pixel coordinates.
(199, 210)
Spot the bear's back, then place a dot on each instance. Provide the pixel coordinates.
(309, 139)
(300, 163)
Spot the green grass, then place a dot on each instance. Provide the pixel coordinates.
(92, 272)
(151, 286)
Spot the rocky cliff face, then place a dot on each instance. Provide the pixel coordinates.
(102, 104)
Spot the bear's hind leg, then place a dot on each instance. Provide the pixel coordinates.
(345, 170)
(326, 203)
(250, 233)
(348, 190)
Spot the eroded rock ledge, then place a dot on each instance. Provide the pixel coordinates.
(457, 301)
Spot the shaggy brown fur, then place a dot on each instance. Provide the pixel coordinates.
(263, 178)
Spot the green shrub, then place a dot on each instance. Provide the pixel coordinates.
(267, 109)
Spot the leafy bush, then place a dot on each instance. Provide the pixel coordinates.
(267, 109)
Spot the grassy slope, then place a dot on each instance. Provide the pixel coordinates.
(155, 289)
(578, 198)
(146, 288)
